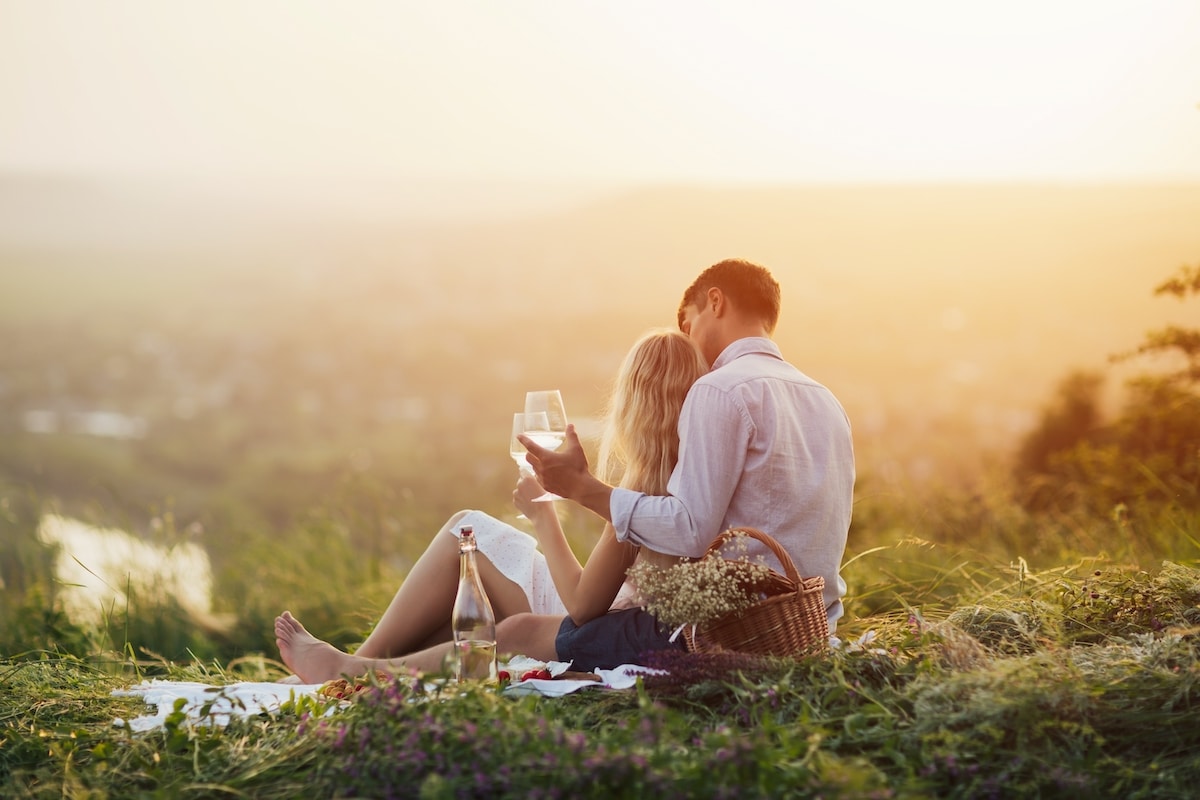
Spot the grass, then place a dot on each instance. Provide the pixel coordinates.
(976, 679)
(989, 652)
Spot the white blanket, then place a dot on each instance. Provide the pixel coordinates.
(244, 699)
(247, 699)
(622, 677)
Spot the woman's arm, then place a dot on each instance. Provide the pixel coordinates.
(586, 591)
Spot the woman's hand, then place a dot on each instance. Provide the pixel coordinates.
(527, 489)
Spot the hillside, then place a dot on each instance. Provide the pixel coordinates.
(939, 314)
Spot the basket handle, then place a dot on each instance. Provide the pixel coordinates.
(774, 546)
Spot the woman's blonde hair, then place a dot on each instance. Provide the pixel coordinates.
(641, 435)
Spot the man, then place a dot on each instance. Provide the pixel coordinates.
(761, 445)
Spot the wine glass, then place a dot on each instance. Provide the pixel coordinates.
(523, 422)
(550, 403)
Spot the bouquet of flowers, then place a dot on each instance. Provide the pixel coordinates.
(736, 604)
(700, 591)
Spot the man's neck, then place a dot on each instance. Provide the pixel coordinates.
(747, 331)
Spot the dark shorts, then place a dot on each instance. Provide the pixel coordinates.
(618, 637)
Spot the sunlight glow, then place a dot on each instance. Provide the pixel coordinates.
(618, 91)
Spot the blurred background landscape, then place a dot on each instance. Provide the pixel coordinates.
(273, 282)
(238, 368)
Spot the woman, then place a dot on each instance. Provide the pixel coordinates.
(531, 592)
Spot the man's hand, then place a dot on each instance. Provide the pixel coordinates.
(559, 471)
(565, 473)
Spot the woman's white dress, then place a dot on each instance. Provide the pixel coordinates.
(515, 554)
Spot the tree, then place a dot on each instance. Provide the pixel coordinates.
(1172, 338)
(1071, 418)
(1150, 454)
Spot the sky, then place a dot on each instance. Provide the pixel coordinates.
(613, 91)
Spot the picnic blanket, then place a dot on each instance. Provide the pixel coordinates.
(222, 703)
(209, 704)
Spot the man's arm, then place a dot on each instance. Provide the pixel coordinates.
(715, 436)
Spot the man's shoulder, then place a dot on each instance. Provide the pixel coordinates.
(744, 381)
(755, 366)
(755, 362)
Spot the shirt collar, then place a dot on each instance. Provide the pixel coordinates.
(750, 345)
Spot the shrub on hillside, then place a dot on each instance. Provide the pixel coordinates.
(1150, 454)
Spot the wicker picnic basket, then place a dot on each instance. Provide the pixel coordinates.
(790, 619)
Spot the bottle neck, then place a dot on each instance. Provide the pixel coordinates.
(466, 560)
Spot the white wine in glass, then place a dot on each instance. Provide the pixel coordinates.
(550, 403)
(523, 422)
(533, 424)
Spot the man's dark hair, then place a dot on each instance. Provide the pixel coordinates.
(750, 288)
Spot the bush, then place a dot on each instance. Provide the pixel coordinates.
(1147, 457)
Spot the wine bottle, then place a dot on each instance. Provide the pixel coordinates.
(473, 622)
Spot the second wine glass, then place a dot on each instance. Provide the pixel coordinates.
(549, 402)
(525, 423)
(532, 424)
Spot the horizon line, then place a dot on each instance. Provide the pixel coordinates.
(250, 180)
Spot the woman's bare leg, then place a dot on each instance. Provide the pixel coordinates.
(530, 635)
(315, 661)
(419, 613)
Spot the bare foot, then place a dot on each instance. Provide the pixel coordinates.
(311, 659)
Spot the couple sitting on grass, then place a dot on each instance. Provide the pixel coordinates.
(711, 429)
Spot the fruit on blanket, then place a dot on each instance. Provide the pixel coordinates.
(342, 689)
(536, 675)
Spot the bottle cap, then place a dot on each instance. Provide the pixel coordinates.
(466, 538)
